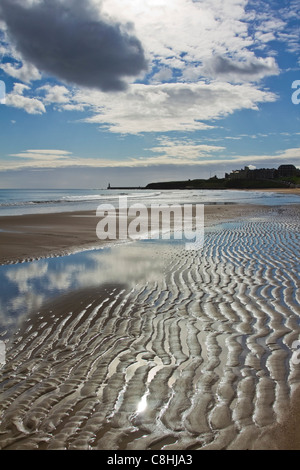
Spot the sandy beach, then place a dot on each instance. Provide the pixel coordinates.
(34, 236)
(169, 349)
(278, 190)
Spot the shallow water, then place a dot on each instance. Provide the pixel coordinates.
(150, 346)
(26, 201)
(25, 287)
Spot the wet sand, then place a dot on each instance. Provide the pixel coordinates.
(278, 190)
(28, 237)
(199, 357)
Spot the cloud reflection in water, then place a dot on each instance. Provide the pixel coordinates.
(27, 286)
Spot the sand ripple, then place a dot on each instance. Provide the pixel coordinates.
(199, 359)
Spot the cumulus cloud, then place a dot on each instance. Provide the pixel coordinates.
(55, 94)
(194, 48)
(171, 106)
(17, 99)
(187, 35)
(203, 59)
(196, 28)
(25, 72)
(71, 41)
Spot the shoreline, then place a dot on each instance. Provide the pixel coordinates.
(34, 236)
(275, 190)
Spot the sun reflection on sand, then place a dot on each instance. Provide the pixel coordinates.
(142, 405)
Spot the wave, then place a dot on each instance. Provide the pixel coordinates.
(78, 199)
(110, 196)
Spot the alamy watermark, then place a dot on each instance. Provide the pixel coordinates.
(2, 92)
(296, 94)
(296, 352)
(159, 221)
(2, 353)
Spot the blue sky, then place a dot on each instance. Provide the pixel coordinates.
(135, 91)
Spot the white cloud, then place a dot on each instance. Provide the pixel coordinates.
(164, 75)
(61, 97)
(25, 72)
(174, 149)
(17, 99)
(186, 34)
(167, 29)
(73, 107)
(150, 108)
(42, 157)
(206, 49)
(279, 23)
(55, 94)
(35, 153)
(168, 152)
(19, 88)
(172, 106)
(30, 105)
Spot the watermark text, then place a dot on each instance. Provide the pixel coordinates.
(296, 352)
(2, 92)
(296, 94)
(2, 353)
(159, 221)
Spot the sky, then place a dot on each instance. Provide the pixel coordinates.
(129, 92)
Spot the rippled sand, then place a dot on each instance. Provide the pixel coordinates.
(199, 357)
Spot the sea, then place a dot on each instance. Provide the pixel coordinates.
(34, 201)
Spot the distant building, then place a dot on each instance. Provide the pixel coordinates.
(287, 170)
(239, 174)
(263, 173)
